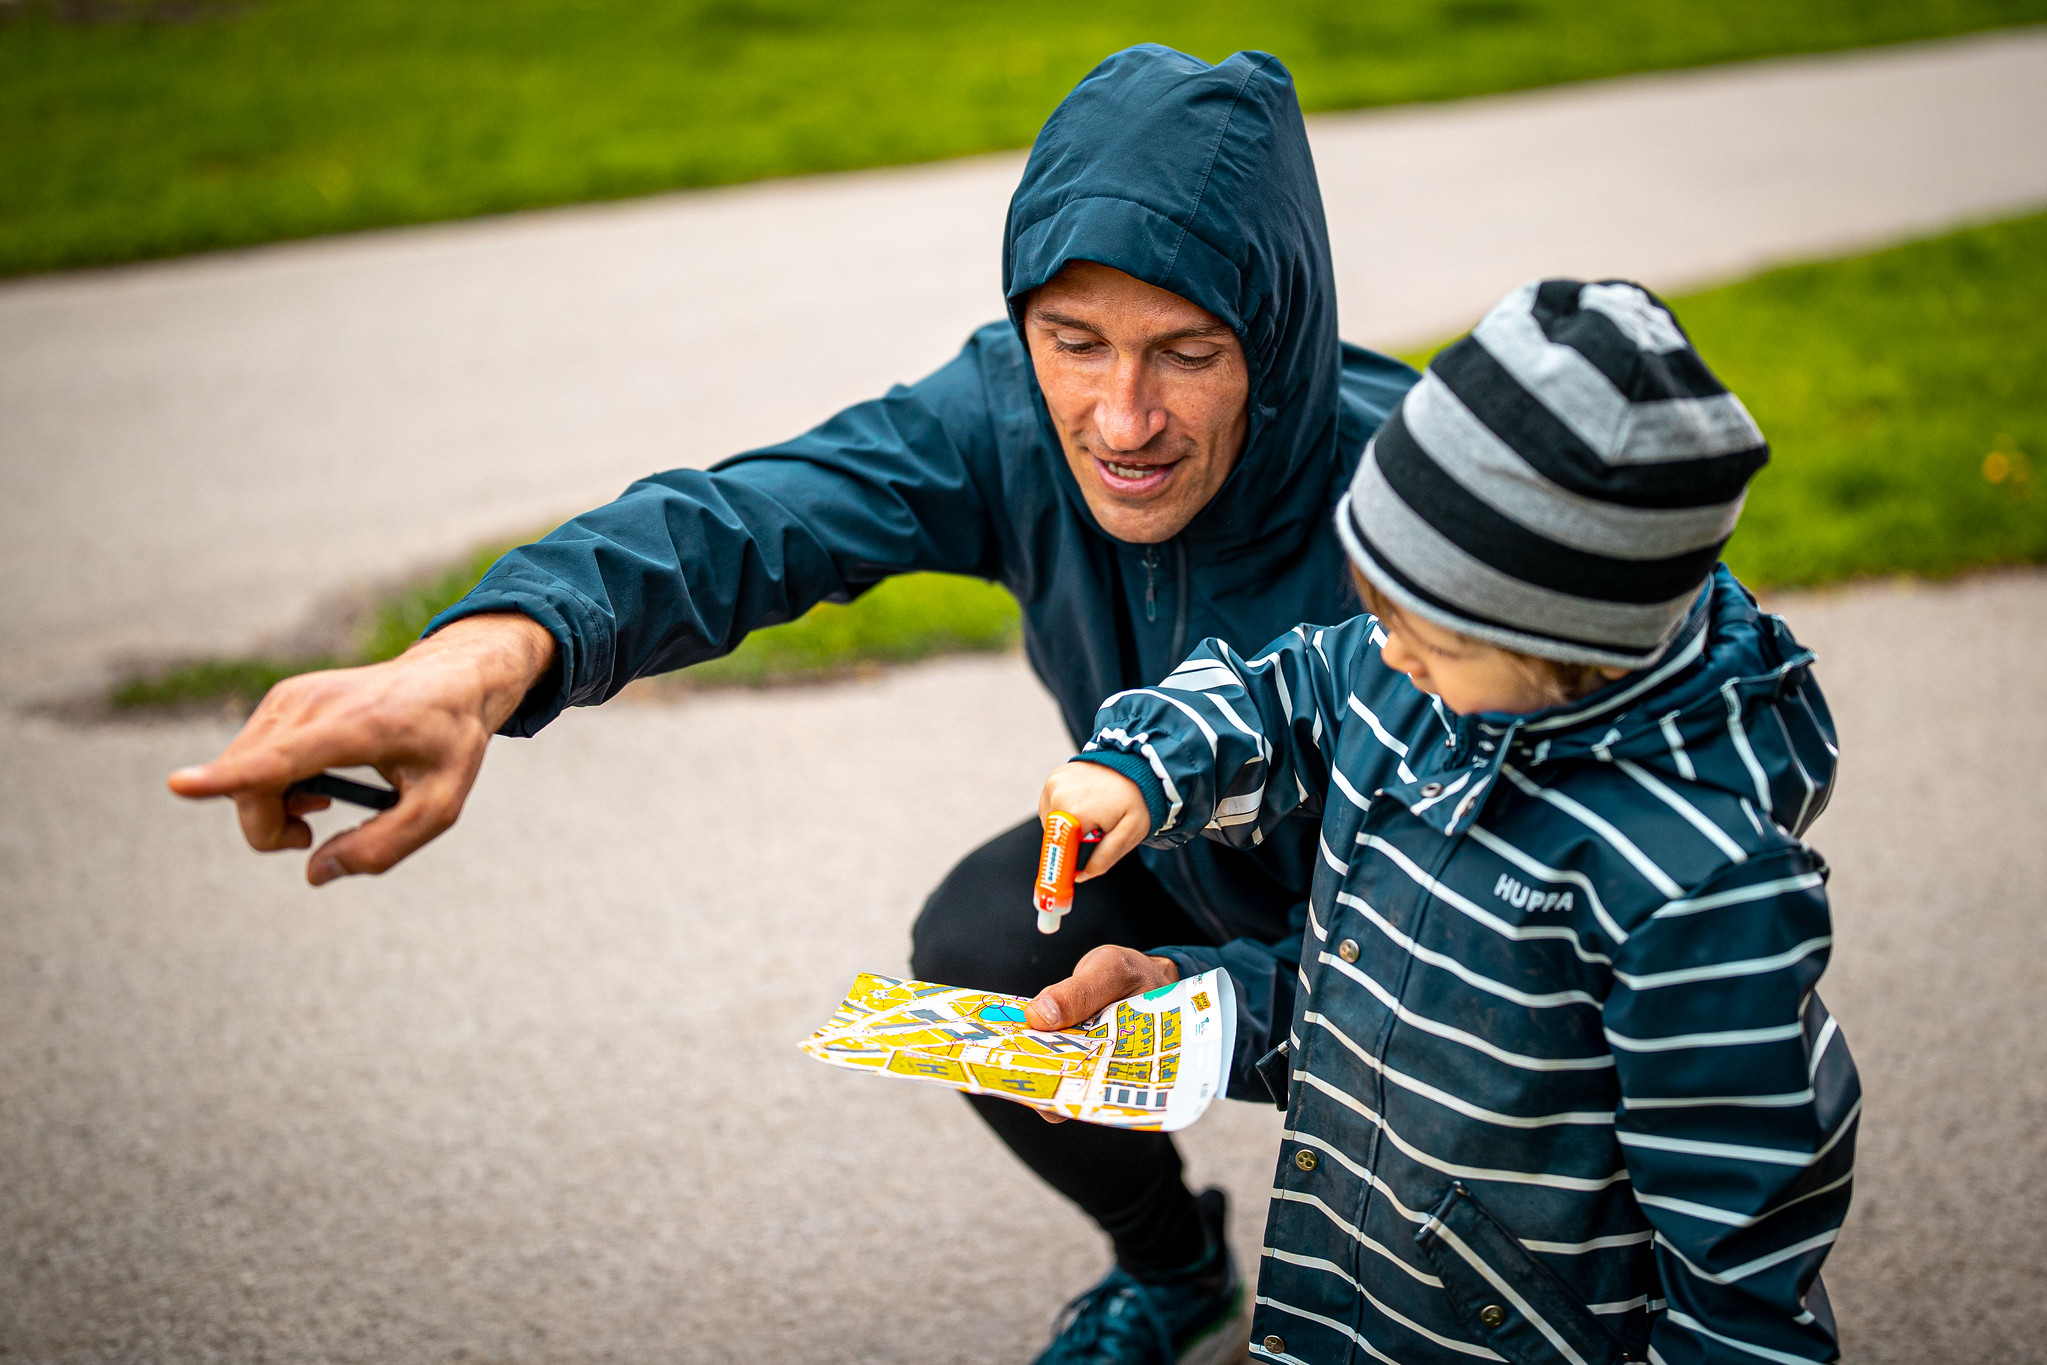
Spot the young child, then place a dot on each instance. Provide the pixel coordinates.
(1558, 1087)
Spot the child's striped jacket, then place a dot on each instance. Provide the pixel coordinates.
(1558, 1086)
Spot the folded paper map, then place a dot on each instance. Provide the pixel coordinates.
(1152, 1062)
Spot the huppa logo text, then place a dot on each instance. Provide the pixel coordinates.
(1528, 898)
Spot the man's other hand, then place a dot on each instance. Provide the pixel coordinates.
(423, 720)
(1107, 974)
(1099, 980)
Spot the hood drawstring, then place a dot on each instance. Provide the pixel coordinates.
(1151, 587)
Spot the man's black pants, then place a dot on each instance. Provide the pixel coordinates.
(978, 930)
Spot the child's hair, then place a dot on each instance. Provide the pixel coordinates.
(1558, 683)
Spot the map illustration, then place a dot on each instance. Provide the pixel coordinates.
(1152, 1062)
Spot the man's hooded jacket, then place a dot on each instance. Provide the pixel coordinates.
(1191, 177)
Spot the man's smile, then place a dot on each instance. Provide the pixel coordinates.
(1128, 477)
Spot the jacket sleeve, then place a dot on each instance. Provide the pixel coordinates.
(1738, 1113)
(1229, 746)
(682, 565)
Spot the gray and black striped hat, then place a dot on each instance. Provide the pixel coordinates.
(1560, 482)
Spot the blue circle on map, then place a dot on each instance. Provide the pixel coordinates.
(1002, 1014)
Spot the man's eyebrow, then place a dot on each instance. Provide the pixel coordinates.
(1206, 329)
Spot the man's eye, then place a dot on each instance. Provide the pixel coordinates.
(1192, 362)
(1075, 345)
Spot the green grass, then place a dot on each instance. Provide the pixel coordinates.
(1901, 392)
(139, 128)
(236, 683)
(390, 626)
(897, 621)
(398, 618)
(1904, 399)
(904, 619)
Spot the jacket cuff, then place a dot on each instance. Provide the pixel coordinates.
(1193, 961)
(1263, 975)
(1138, 770)
(574, 666)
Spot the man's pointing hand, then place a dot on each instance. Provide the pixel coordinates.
(423, 720)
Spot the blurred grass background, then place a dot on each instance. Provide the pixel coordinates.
(140, 128)
(1900, 389)
(1901, 395)
(1901, 392)
(1904, 399)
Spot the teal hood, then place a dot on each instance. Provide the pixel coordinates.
(1198, 179)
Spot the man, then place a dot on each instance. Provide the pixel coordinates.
(1146, 453)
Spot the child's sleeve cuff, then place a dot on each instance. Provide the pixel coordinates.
(1138, 770)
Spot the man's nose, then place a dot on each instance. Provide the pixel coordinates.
(1127, 415)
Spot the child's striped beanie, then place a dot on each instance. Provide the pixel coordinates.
(1560, 482)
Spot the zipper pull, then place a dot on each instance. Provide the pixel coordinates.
(1151, 589)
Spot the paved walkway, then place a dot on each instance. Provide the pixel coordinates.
(533, 1098)
(193, 454)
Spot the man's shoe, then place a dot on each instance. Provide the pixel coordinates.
(1191, 1318)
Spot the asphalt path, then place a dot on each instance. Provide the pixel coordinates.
(534, 1096)
(195, 454)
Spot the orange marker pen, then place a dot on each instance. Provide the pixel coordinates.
(1053, 895)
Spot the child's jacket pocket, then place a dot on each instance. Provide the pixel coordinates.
(1508, 1299)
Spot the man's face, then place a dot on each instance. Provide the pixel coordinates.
(1147, 391)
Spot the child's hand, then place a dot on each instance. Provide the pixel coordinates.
(1100, 798)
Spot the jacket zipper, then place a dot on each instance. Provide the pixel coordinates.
(1151, 593)
(1216, 925)
(1179, 650)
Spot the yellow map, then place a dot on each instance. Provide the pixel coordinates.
(1152, 1062)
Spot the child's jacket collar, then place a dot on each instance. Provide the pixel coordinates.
(1728, 659)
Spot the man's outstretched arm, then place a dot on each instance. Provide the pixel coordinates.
(676, 570)
(422, 719)
(683, 565)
